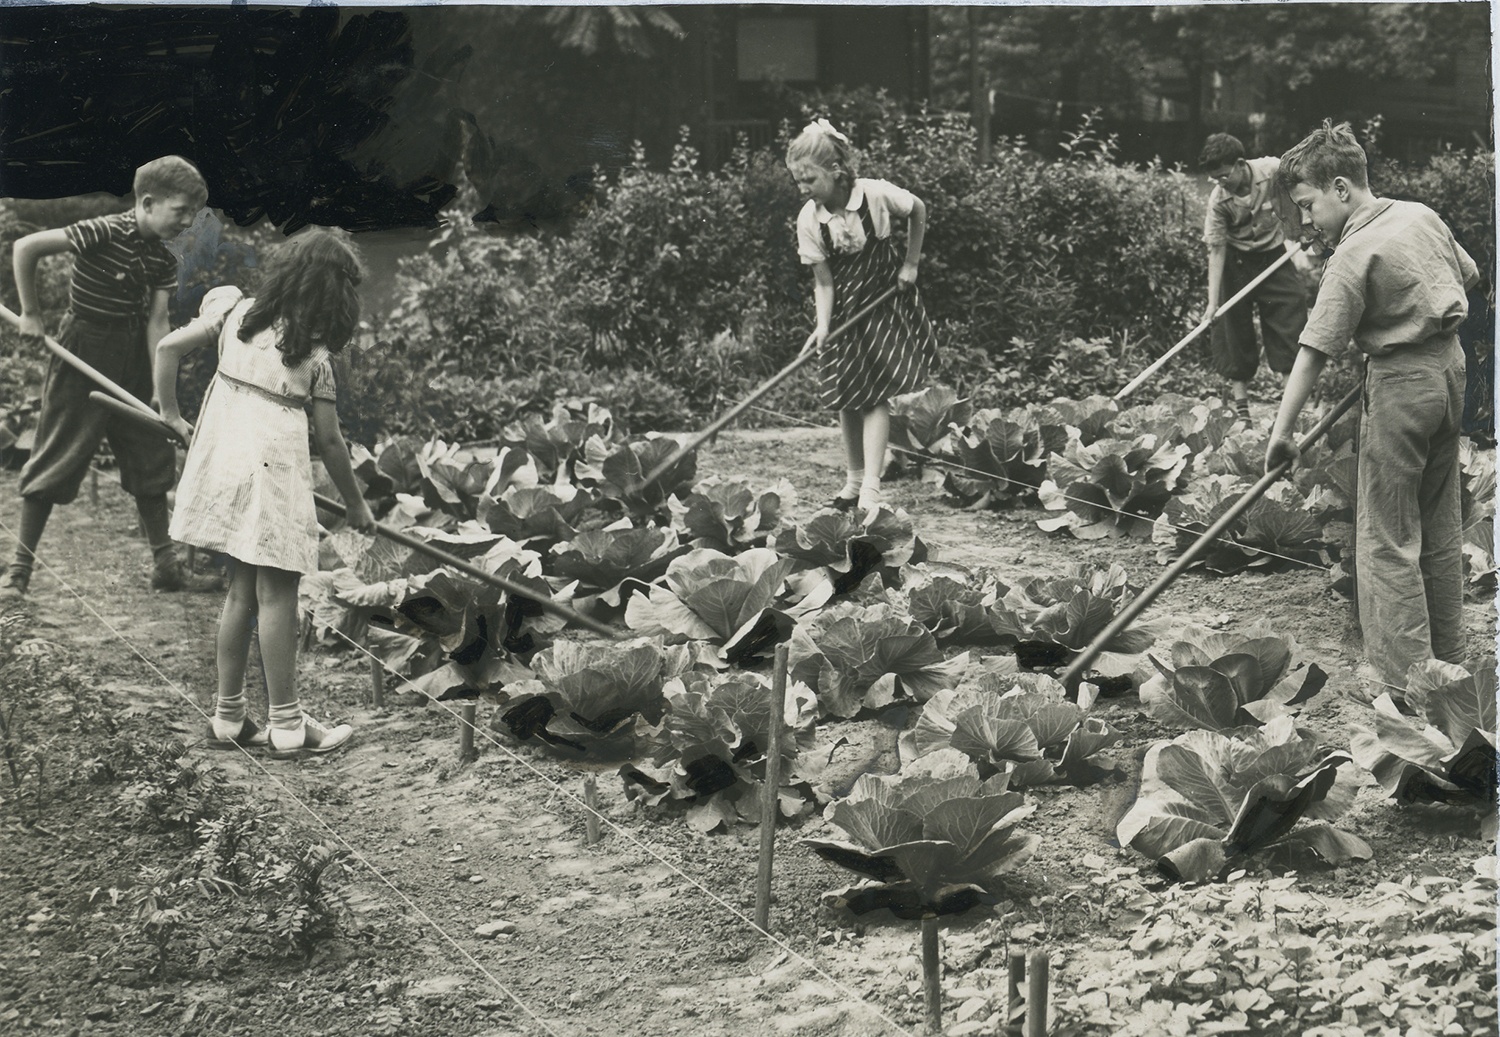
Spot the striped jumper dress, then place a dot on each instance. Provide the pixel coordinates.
(886, 354)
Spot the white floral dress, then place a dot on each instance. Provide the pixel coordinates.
(246, 488)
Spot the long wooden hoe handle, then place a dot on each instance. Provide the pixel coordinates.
(1139, 603)
(775, 380)
(1191, 336)
(137, 411)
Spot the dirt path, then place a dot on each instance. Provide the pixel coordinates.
(610, 939)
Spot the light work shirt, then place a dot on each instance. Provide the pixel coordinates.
(844, 227)
(1397, 278)
(1248, 224)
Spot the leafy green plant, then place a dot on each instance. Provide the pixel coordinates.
(1221, 681)
(849, 548)
(707, 595)
(868, 657)
(710, 749)
(1281, 528)
(305, 904)
(1208, 800)
(1000, 458)
(601, 560)
(726, 515)
(1111, 487)
(589, 694)
(1063, 615)
(1413, 954)
(1019, 725)
(935, 839)
(172, 792)
(156, 908)
(959, 613)
(1445, 754)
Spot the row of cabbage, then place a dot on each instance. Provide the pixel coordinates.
(1167, 470)
(711, 578)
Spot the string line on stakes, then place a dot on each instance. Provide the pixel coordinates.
(287, 791)
(639, 844)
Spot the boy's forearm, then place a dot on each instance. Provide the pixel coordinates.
(1217, 254)
(1299, 386)
(28, 251)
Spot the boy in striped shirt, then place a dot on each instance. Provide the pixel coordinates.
(117, 312)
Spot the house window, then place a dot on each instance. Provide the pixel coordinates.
(779, 49)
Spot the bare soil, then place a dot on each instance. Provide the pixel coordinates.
(645, 932)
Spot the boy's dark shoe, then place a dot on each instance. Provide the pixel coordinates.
(173, 576)
(13, 587)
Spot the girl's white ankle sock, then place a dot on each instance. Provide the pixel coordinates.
(229, 714)
(852, 483)
(286, 717)
(869, 492)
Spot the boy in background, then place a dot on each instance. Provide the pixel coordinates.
(117, 312)
(1244, 236)
(1395, 286)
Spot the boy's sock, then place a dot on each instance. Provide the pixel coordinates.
(1242, 408)
(155, 518)
(34, 515)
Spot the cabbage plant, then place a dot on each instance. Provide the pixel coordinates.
(1111, 487)
(935, 839)
(707, 595)
(1028, 731)
(727, 515)
(1208, 800)
(868, 657)
(709, 751)
(588, 695)
(1220, 681)
(1443, 754)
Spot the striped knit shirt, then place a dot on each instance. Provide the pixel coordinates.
(117, 269)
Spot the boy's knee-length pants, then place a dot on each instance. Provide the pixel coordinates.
(1282, 303)
(1408, 542)
(70, 426)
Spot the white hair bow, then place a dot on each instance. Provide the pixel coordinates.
(827, 127)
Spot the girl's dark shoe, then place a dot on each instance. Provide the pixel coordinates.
(843, 504)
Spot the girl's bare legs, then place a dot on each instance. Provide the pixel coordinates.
(236, 623)
(852, 425)
(876, 433)
(291, 729)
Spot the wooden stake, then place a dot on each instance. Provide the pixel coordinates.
(377, 683)
(466, 733)
(591, 831)
(770, 805)
(1014, 1006)
(1036, 995)
(932, 979)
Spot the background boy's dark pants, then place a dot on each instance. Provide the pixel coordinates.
(1408, 539)
(70, 428)
(1282, 302)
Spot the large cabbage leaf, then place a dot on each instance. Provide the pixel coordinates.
(555, 445)
(1021, 725)
(708, 595)
(618, 471)
(1221, 681)
(850, 547)
(859, 658)
(935, 838)
(1070, 611)
(923, 421)
(1281, 528)
(1446, 752)
(1208, 799)
(600, 560)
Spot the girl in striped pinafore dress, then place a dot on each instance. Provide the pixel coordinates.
(844, 234)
